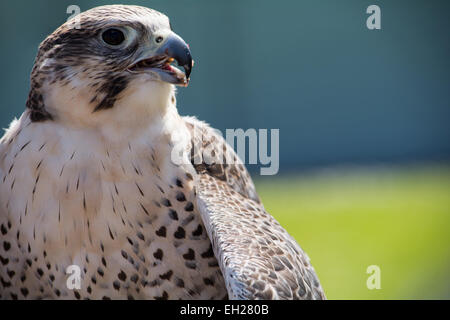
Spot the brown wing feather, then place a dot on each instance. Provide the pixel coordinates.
(258, 258)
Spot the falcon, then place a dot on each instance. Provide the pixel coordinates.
(102, 174)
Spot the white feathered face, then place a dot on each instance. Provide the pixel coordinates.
(119, 55)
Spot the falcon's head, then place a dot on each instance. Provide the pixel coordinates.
(108, 62)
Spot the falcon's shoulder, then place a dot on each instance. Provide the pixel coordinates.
(210, 154)
(258, 258)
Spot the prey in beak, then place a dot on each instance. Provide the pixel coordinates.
(171, 49)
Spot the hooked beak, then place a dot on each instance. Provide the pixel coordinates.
(172, 48)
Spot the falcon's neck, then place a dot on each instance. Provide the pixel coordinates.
(137, 123)
(143, 108)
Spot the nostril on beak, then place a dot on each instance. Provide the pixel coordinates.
(175, 47)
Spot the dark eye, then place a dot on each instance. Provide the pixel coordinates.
(113, 37)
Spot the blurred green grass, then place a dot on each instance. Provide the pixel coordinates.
(348, 219)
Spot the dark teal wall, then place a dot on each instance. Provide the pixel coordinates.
(338, 92)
